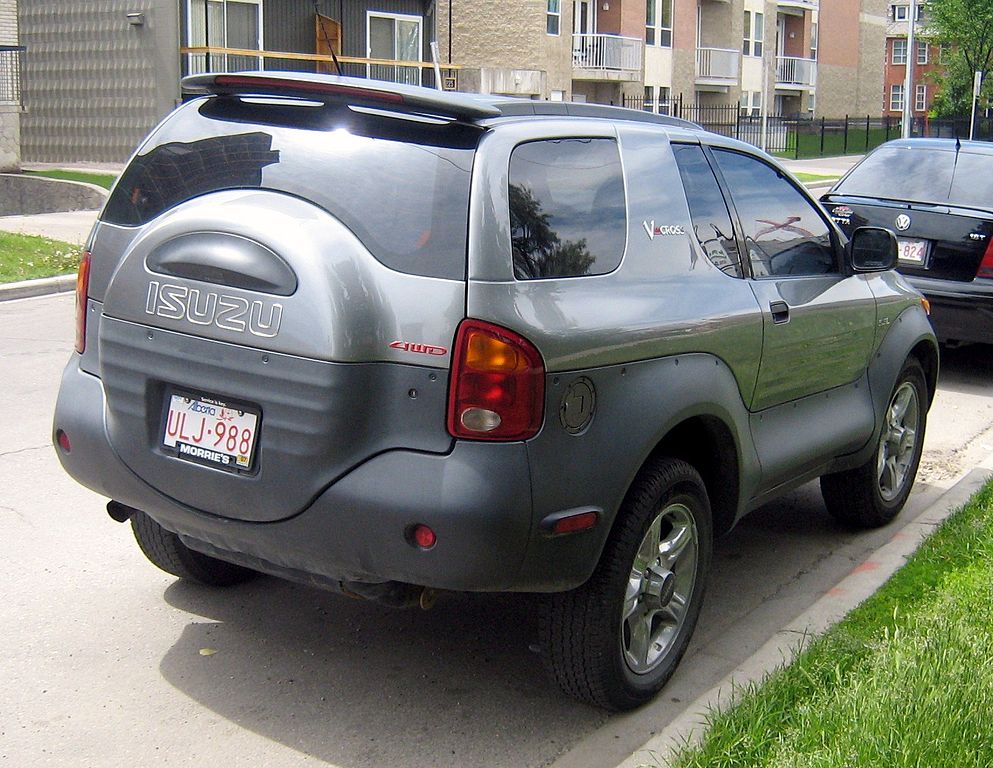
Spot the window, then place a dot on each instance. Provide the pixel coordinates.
(899, 51)
(553, 17)
(900, 12)
(896, 97)
(397, 37)
(224, 24)
(921, 52)
(751, 103)
(658, 23)
(708, 210)
(754, 34)
(944, 52)
(813, 41)
(567, 210)
(920, 98)
(782, 230)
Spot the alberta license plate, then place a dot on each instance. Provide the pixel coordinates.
(912, 251)
(210, 431)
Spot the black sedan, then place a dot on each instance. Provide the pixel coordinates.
(937, 196)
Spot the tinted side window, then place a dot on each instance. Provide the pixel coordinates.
(711, 220)
(783, 232)
(567, 208)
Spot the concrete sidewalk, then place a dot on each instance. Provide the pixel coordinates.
(72, 227)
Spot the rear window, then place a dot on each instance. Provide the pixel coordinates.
(402, 187)
(923, 174)
(567, 208)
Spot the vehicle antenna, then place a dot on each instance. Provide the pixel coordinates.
(327, 38)
(955, 165)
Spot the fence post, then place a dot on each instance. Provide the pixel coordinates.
(844, 151)
(822, 137)
(867, 133)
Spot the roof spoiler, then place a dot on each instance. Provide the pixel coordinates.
(349, 90)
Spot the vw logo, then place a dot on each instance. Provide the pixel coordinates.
(902, 222)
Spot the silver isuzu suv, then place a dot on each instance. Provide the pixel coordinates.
(392, 341)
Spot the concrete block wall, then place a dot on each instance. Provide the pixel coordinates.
(93, 83)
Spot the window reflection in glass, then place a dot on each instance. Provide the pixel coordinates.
(567, 208)
(783, 232)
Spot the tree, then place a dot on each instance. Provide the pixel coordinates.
(967, 27)
(538, 251)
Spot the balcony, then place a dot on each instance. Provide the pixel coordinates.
(793, 74)
(801, 5)
(10, 74)
(717, 66)
(606, 57)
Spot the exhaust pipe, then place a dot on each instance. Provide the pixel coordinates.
(120, 513)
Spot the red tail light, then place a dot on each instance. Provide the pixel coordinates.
(82, 290)
(497, 389)
(986, 265)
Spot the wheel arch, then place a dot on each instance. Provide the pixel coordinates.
(707, 443)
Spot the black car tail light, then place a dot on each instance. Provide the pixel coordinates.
(82, 291)
(497, 389)
(986, 265)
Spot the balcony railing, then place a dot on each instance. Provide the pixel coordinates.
(607, 53)
(215, 59)
(792, 72)
(10, 74)
(805, 5)
(717, 65)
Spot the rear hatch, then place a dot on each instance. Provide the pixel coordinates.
(280, 279)
(936, 201)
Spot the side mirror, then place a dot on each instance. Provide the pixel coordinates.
(872, 249)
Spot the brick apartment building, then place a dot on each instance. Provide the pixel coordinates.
(99, 73)
(926, 61)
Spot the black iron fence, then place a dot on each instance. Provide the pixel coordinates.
(801, 136)
(10, 74)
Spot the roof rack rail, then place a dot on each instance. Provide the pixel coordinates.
(352, 90)
(512, 107)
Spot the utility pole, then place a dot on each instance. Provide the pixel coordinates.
(908, 83)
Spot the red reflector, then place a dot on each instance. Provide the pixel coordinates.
(249, 82)
(63, 439)
(82, 291)
(986, 265)
(575, 523)
(497, 389)
(424, 537)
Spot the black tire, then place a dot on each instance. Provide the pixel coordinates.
(588, 643)
(873, 494)
(165, 550)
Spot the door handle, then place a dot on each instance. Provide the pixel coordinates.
(780, 311)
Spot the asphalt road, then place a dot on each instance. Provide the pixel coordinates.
(108, 662)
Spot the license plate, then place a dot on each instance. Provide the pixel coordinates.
(912, 251)
(211, 431)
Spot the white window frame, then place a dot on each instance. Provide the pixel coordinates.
(657, 27)
(900, 60)
(754, 39)
(555, 14)
(813, 41)
(224, 6)
(920, 97)
(922, 47)
(901, 12)
(896, 97)
(370, 15)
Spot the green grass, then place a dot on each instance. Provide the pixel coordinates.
(806, 177)
(23, 257)
(859, 141)
(104, 180)
(905, 680)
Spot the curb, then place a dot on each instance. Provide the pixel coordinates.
(688, 728)
(41, 287)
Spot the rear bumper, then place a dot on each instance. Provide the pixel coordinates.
(477, 499)
(959, 311)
